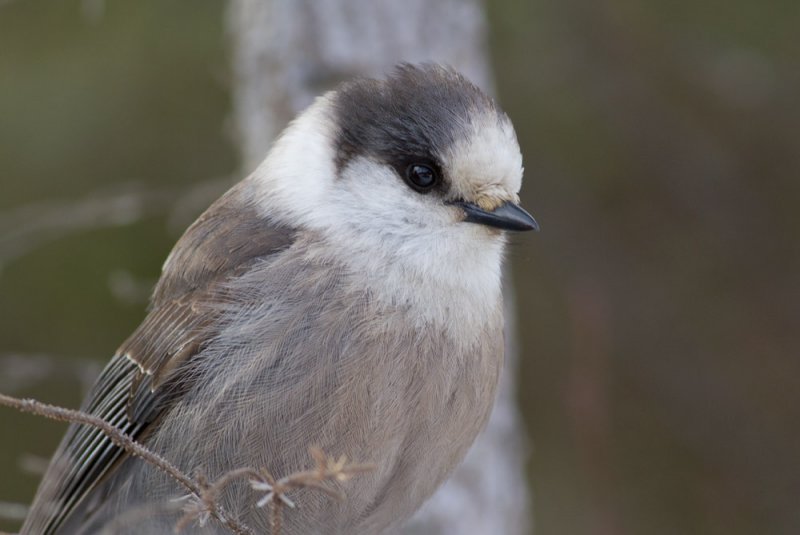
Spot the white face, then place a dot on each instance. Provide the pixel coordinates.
(382, 227)
(299, 176)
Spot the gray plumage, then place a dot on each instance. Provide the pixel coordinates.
(292, 315)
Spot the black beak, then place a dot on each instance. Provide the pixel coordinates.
(507, 216)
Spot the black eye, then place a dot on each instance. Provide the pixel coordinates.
(421, 177)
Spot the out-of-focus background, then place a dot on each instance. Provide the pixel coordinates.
(659, 308)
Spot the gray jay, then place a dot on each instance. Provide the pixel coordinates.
(347, 294)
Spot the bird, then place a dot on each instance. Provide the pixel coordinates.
(347, 295)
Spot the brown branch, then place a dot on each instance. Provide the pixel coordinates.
(29, 227)
(202, 498)
(128, 444)
(327, 469)
(12, 511)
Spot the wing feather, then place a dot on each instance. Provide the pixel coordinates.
(147, 374)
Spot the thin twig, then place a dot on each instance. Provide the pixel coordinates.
(13, 511)
(202, 497)
(128, 444)
(327, 469)
(276, 517)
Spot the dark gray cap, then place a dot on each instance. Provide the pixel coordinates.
(414, 114)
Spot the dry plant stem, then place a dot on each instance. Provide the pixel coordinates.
(327, 469)
(12, 511)
(276, 518)
(128, 444)
(214, 489)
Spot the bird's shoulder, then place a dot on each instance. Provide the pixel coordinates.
(223, 242)
(148, 372)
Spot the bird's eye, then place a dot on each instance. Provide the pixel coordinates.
(421, 177)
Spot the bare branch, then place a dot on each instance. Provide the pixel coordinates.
(201, 501)
(19, 371)
(31, 226)
(327, 469)
(128, 444)
(13, 511)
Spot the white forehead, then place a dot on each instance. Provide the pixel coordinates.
(485, 164)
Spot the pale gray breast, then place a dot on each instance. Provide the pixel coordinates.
(309, 359)
(271, 350)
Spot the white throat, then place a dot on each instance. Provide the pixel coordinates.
(408, 249)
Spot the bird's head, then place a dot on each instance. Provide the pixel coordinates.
(447, 152)
(420, 156)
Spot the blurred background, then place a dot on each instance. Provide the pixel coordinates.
(658, 309)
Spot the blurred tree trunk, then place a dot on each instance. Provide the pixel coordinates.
(287, 52)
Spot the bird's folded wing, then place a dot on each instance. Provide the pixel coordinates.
(127, 396)
(149, 371)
